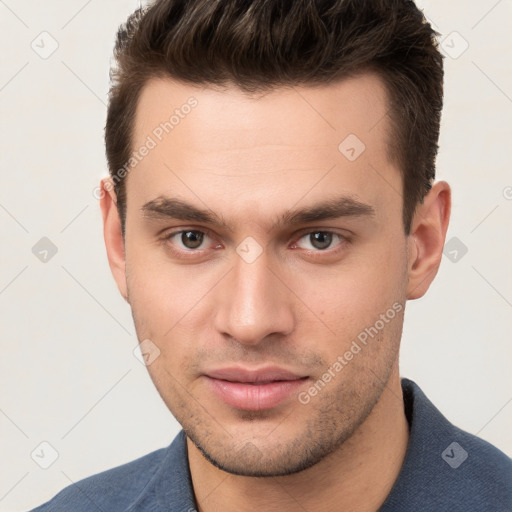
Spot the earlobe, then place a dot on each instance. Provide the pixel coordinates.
(112, 235)
(426, 241)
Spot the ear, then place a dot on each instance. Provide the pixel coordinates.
(112, 234)
(426, 240)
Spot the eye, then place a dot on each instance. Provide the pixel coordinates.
(320, 240)
(186, 240)
(192, 239)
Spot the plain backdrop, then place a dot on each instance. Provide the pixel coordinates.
(68, 374)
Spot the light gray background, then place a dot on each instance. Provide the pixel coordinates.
(68, 373)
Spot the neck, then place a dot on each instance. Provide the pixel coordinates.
(358, 476)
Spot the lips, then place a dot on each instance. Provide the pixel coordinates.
(254, 390)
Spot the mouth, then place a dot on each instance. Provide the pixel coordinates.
(254, 390)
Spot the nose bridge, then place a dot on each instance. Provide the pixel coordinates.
(254, 304)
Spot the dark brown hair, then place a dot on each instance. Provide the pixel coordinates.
(263, 44)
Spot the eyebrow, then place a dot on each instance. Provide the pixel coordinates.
(166, 208)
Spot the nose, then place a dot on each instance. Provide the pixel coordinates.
(253, 302)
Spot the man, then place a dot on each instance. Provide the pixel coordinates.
(269, 211)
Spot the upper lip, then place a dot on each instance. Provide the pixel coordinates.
(267, 374)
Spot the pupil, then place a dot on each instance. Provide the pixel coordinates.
(192, 239)
(321, 240)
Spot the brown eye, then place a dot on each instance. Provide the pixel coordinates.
(192, 239)
(322, 243)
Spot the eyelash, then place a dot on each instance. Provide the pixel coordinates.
(190, 253)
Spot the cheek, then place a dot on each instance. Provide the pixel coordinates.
(356, 292)
(159, 292)
(170, 306)
(361, 300)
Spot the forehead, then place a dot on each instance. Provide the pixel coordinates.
(292, 141)
(322, 114)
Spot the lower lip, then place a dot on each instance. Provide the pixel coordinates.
(254, 397)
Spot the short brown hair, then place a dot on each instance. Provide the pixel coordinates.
(263, 44)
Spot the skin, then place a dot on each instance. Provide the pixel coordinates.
(299, 305)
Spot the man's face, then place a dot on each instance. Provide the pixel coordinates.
(252, 308)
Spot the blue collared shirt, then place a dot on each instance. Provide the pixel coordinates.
(445, 469)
